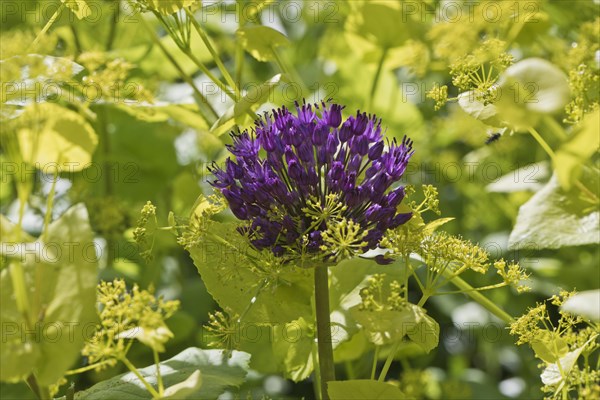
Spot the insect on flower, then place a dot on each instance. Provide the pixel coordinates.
(312, 183)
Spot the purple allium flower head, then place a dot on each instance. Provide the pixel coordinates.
(298, 172)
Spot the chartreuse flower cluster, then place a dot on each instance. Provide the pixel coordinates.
(566, 348)
(477, 72)
(378, 295)
(445, 256)
(200, 221)
(224, 329)
(584, 75)
(110, 77)
(124, 316)
(147, 226)
(313, 184)
(143, 230)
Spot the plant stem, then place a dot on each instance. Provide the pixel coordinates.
(214, 54)
(316, 372)
(375, 359)
(161, 387)
(555, 128)
(376, 78)
(133, 369)
(542, 143)
(326, 365)
(86, 368)
(552, 155)
(388, 361)
(290, 72)
(239, 50)
(17, 276)
(199, 96)
(48, 25)
(482, 300)
(112, 33)
(50, 204)
(78, 48)
(209, 74)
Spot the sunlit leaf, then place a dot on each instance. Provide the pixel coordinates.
(530, 178)
(295, 341)
(549, 346)
(217, 372)
(582, 144)
(51, 135)
(60, 275)
(34, 78)
(381, 23)
(585, 304)
(486, 113)
(184, 389)
(229, 279)
(261, 41)
(387, 326)
(529, 89)
(554, 218)
(552, 374)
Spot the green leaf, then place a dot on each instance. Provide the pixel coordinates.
(552, 374)
(486, 113)
(255, 97)
(361, 389)
(529, 89)
(585, 304)
(530, 178)
(60, 273)
(435, 224)
(142, 160)
(381, 23)
(184, 389)
(549, 346)
(350, 276)
(352, 349)
(584, 142)
(553, 218)
(294, 341)
(52, 135)
(186, 114)
(224, 267)
(426, 332)
(387, 326)
(347, 279)
(217, 371)
(35, 78)
(261, 41)
(154, 338)
(80, 8)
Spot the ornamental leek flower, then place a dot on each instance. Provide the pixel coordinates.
(313, 183)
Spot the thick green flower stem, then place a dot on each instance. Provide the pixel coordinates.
(482, 300)
(326, 365)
